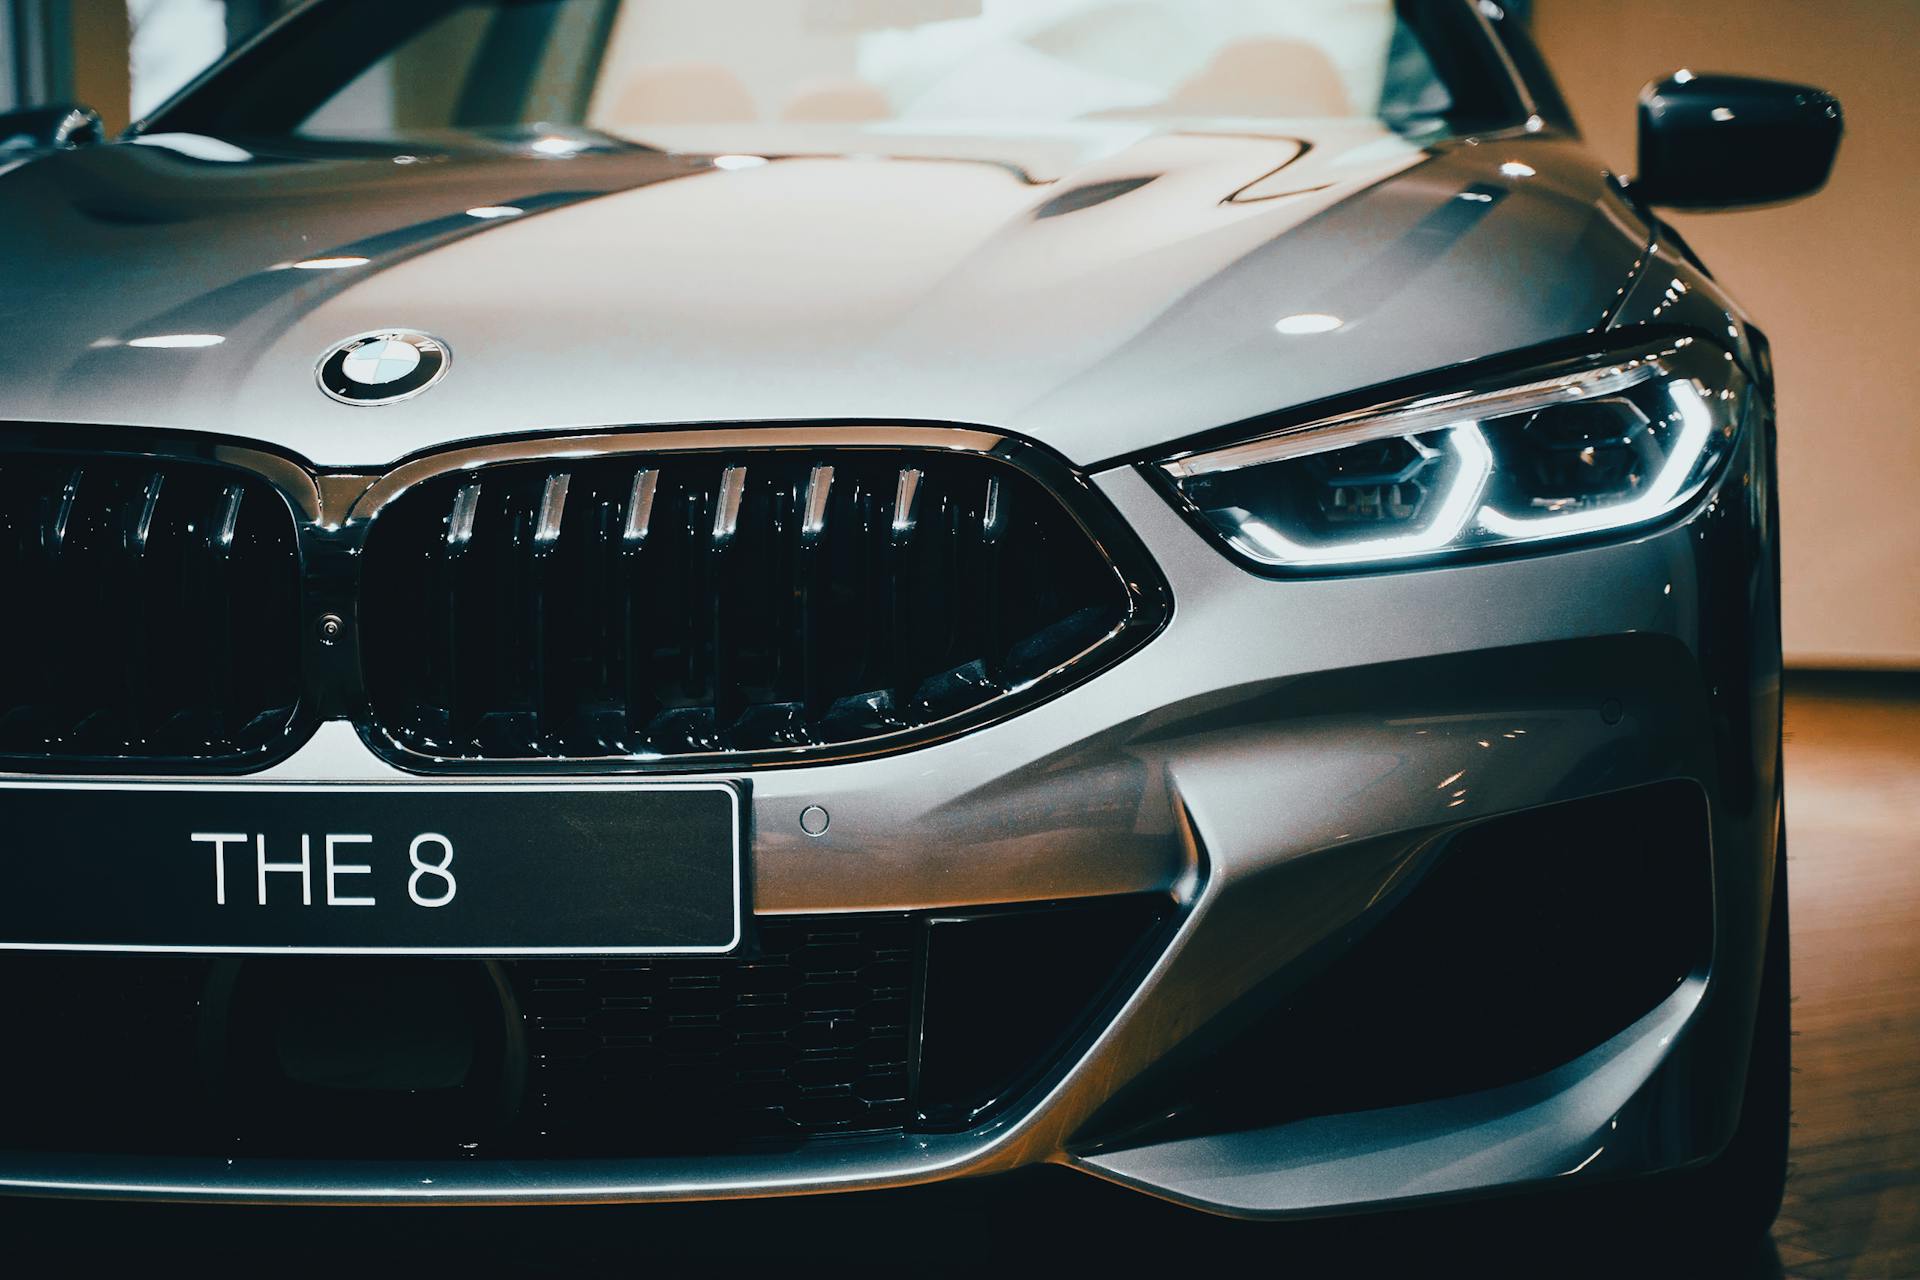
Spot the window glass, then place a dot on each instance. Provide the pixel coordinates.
(626, 66)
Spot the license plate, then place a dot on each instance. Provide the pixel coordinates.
(448, 869)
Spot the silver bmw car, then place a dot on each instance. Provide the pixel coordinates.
(657, 600)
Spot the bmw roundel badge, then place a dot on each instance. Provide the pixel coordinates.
(383, 366)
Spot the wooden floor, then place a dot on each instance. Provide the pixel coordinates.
(1853, 824)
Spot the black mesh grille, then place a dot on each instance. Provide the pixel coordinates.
(152, 612)
(809, 1037)
(703, 604)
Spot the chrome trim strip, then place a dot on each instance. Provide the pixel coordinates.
(298, 485)
(991, 525)
(819, 486)
(726, 511)
(616, 442)
(646, 483)
(69, 494)
(553, 508)
(229, 516)
(466, 505)
(904, 515)
(143, 522)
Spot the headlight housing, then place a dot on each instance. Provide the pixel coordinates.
(1576, 449)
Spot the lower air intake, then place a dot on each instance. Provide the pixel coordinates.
(830, 1026)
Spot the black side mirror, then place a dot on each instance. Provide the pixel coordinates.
(66, 124)
(1717, 142)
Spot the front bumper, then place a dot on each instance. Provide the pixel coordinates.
(1273, 760)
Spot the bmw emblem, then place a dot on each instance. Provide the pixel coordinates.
(383, 366)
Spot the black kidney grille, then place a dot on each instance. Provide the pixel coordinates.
(833, 1025)
(152, 612)
(695, 604)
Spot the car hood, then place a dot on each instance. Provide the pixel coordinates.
(1104, 290)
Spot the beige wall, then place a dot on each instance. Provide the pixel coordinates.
(101, 79)
(1835, 282)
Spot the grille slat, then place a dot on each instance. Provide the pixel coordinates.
(811, 598)
(637, 691)
(137, 691)
(702, 604)
(153, 613)
(216, 597)
(449, 569)
(64, 578)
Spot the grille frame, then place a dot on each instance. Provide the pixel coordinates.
(336, 509)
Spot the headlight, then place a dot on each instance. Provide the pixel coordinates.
(1581, 448)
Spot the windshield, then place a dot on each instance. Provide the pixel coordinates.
(638, 69)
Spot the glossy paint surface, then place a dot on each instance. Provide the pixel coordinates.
(185, 282)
